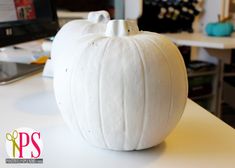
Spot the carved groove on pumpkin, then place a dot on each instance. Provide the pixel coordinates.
(183, 70)
(180, 61)
(72, 99)
(99, 98)
(124, 109)
(171, 77)
(143, 65)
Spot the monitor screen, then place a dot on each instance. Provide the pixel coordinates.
(25, 20)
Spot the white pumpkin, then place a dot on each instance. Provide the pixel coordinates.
(70, 32)
(124, 90)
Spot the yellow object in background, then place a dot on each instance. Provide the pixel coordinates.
(41, 60)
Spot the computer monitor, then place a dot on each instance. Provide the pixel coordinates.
(22, 21)
(25, 20)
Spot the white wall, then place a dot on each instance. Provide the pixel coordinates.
(212, 8)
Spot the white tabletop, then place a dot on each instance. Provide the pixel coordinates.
(199, 140)
(202, 40)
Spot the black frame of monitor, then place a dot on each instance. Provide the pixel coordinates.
(15, 32)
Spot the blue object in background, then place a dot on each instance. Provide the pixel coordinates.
(219, 29)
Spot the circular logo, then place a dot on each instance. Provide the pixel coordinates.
(24, 143)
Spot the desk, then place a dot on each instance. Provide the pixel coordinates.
(66, 16)
(199, 140)
(219, 47)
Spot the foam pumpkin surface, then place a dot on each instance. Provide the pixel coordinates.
(71, 31)
(123, 90)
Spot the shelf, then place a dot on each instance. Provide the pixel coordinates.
(202, 97)
(71, 15)
(229, 74)
(204, 73)
(207, 101)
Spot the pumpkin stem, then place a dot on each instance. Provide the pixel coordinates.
(99, 16)
(121, 28)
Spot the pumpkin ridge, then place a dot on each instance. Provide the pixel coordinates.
(72, 98)
(171, 76)
(156, 47)
(183, 70)
(181, 60)
(73, 71)
(123, 109)
(145, 92)
(125, 118)
(91, 42)
(99, 92)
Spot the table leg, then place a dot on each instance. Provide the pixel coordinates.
(223, 56)
(220, 88)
